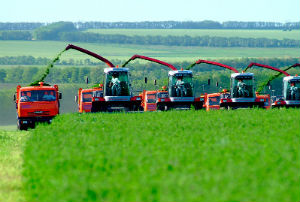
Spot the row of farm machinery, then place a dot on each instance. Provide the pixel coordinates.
(40, 102)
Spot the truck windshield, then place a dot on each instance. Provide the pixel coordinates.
(163, 95)
(292, 90)
(242, 87)
(117, 84)
(37, 95)
(214, 100)
(98, 93)
(151, 98)
(87, 97)
(180, 85)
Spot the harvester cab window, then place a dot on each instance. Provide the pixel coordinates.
(38, 95)
(151, 98)
(87, 97)
(242, 87)
(117, 83)
(181, 85)
(292, 89)
(214, 100)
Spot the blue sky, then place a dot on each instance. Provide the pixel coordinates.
(151, 10)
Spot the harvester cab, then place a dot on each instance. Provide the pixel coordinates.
(291, 91)
(241, 86)
(117, 94)
(180, 87)
(34, 104)
(117, 86)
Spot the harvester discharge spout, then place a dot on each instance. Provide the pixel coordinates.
(212, 63)
(71, 46)
(265, 66)
(149, 59)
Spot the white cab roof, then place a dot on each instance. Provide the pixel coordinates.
(107, 70)
(288, 78)
(242, 74)
(172, 73)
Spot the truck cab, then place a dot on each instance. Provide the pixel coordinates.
(85, 96)
(155, 100)
(36, 104)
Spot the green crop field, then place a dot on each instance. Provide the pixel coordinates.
(242, 155)
(50, 49)
(11, 151)
(271, 34)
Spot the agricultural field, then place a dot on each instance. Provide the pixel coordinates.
(271, 34)
(49, 49)
(242, 155)
(11, 151)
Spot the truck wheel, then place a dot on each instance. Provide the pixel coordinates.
(21, 126)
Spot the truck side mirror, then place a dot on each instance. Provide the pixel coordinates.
(155, 82)
(15, 97)
(87, 80)
(217, 84)
(59, 95)
(208, 82)
(146, 79)
(76, 98)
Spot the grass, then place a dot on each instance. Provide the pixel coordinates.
(49, 49)
(271, 34)
(11, 151)
(242, 155)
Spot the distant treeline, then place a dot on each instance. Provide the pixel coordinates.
(206, 24)
(15, 35)
(77, 74)
(204, 41)
(67, 31)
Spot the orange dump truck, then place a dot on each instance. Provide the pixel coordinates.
(155, 100)
(212, 100)
(85, 98)
(36, 104)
